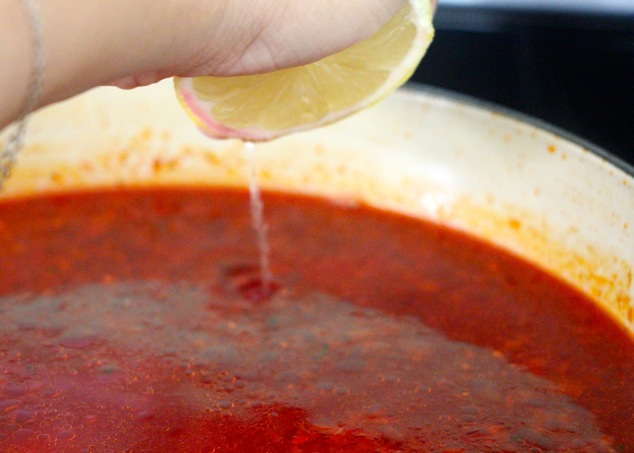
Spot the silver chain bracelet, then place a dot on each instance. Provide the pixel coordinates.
(15, 142)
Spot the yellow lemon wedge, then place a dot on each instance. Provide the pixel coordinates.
(266, 106)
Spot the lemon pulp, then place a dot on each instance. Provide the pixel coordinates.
(264, 106)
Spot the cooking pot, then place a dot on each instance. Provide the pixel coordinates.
(521, 185)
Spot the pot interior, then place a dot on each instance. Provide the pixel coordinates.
(526, 189)
(141, 312)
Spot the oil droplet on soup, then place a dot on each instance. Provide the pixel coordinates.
(126, 326)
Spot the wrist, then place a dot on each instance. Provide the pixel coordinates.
(17, 57)
(88, 43)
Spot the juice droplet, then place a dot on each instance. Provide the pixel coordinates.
(66, 434)
(248, 282)
(22, 435)
(9, 405)
(224, 404)
(145, 415)
(14, 389)
(257, 218)
(258, 290)
(341, 391)
(43, 438)
(23, 416)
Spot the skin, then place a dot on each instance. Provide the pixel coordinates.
(130, 43)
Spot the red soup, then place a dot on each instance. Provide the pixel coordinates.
(134, 321)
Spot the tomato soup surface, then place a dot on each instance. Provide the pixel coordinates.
(133, 320)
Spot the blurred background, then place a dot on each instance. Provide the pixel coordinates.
(567, 62)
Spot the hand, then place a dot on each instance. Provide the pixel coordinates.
(252, 36)
(130, 43)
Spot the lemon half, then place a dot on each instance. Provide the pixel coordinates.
(266, 106)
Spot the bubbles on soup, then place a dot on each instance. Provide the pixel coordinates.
(177, 359)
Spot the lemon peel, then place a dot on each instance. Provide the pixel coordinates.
(266, 106)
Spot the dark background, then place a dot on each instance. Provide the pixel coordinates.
(572, 69)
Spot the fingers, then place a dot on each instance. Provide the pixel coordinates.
(285, 33)
(274, 34)
(128, 83)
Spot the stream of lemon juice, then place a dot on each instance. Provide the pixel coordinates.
(257, 219)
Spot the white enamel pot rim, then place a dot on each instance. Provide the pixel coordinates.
(525, 186)
(529, 120)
